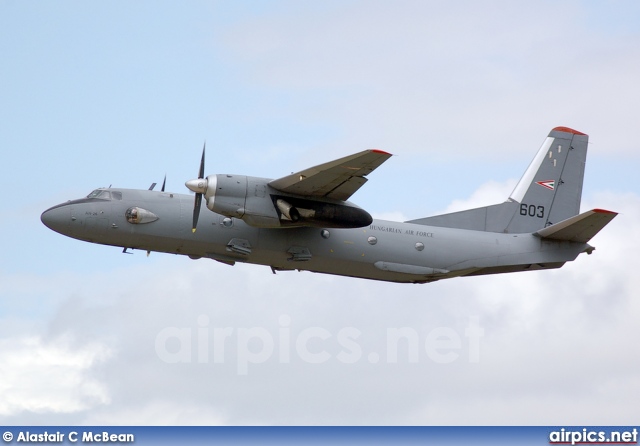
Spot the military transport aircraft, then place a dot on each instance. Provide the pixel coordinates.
(303, 221)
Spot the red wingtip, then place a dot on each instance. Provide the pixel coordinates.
(382, 152)
(604, 211)
(568, 130)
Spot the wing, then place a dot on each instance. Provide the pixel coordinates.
(337, 179)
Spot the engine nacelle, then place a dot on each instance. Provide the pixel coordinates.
(242, 197)
(226, 194)
(255, 202)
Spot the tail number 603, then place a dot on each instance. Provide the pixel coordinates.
(532, 210)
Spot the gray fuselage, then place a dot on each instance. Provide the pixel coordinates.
(384, 250)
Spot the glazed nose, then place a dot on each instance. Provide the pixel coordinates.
(57, 218)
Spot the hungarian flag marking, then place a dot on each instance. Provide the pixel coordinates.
(549, 184)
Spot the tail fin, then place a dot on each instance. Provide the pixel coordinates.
(551, 188)
(549, 191)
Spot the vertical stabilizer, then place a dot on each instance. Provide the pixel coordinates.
(551, 188)
(549, 191)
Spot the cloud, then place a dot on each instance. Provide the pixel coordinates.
(50, 376)
(392, 216)
(155, 413)
(492, 192)
(440, 75)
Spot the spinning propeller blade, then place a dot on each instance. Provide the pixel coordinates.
(199, 186)
(196, 211)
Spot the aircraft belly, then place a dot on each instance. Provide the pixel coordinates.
(350, 252)
(393, 256)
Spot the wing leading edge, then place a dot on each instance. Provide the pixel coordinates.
(338, 179)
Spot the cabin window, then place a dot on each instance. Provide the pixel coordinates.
(372, 240)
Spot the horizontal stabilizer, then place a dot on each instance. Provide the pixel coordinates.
(580, 228)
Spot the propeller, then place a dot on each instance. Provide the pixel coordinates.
(199, 186)
(154, 184)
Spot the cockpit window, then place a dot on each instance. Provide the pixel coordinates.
(101, 194)
(116, 195)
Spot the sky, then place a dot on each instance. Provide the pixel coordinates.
(462, 93)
